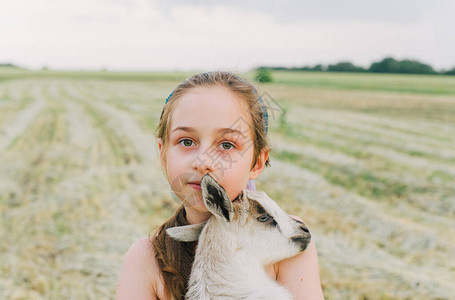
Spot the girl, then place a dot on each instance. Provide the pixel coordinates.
(211, 123)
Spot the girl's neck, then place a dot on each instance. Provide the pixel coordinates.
(195, 217)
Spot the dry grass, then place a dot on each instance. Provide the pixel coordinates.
(371, 173)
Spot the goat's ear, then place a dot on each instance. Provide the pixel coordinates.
(244, 195)
(187, 233)
(215, 198)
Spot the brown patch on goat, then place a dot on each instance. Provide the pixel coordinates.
(258, 210)
(237, 206)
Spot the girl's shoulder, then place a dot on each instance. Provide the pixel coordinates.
(140, 275)
(300, 273)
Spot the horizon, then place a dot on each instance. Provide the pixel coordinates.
(286, 68)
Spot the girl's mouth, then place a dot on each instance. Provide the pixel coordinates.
(195, 185)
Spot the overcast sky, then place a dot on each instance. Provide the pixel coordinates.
(231, 34)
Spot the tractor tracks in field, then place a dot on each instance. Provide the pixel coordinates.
(368, 232)
(78, 170)
(122, 124)
(131, 149)
(412, 137)
(122, 173)
(23, 119)
(309, 185)
(366, 160)
(38, 143)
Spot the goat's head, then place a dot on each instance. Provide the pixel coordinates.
(253, 221)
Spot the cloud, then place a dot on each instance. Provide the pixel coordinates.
(288, 11)
(142, 34)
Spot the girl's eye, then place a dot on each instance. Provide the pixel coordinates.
(227, 145)
(263, 218)
(186, 142)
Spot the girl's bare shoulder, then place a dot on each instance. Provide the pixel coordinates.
(140, 276)
(300, 273)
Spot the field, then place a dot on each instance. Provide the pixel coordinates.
(368, 161)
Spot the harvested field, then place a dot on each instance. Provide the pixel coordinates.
(368, 161)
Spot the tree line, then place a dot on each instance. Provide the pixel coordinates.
(387, 65)
(8, 65)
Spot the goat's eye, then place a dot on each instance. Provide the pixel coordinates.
(263, 218)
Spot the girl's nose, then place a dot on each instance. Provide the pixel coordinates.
(205, 161)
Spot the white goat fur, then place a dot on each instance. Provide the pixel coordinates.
(235, 246)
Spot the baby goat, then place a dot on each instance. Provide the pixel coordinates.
(237, 242)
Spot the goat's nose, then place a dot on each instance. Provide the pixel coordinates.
(304, 229)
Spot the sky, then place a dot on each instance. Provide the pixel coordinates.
(234, 35)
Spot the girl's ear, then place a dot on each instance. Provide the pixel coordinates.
(216, 200)
(161, 150)
(260, 164)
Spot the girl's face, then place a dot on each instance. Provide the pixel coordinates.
(209, 133)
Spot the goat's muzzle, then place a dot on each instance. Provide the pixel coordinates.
(304, 239)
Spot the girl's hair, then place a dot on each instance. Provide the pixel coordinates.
(175, 258)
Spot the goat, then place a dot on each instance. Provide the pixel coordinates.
(237, 242)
